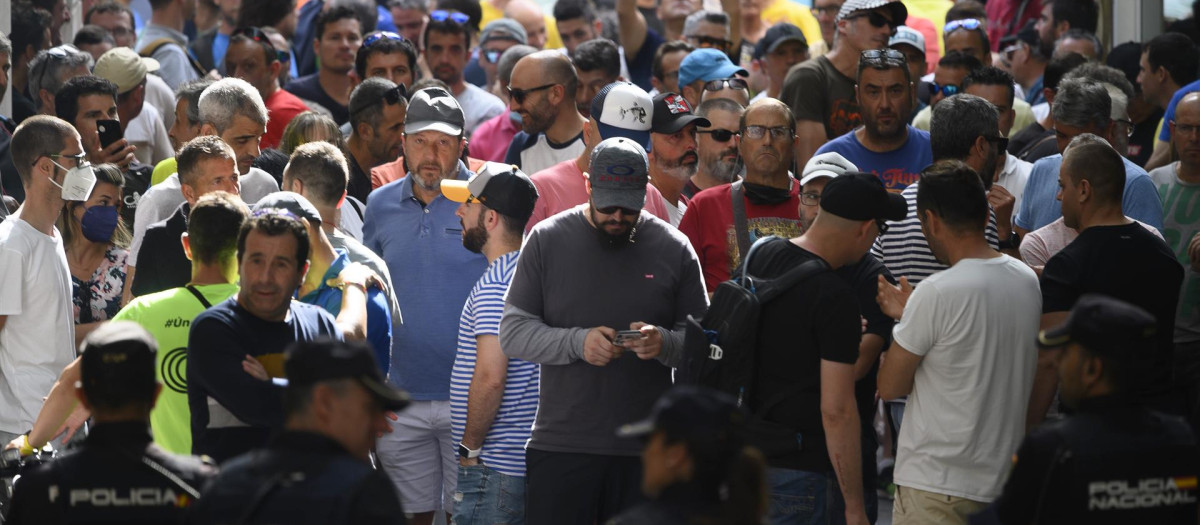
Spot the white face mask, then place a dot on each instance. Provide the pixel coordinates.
(78, 184)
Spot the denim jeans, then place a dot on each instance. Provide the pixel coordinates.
(800, 497)
(485, 496)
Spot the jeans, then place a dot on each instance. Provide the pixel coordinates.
(800, 497)
(487, 497)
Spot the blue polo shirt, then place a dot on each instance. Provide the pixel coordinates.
(432, 274)
(896, 169)
(1040, 205)
(379, 316)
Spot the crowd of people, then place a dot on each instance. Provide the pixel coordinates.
(435, 262)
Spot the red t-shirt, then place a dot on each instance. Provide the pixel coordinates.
(282, 107)
(708, 223)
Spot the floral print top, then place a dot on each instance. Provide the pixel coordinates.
(100, 298)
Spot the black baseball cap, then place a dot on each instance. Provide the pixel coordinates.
(291, 202)
(311, 362)
(776, 36)
(672, 113)
(118, 358)
(1104, 325)
(691, 413)
(501, 187)
(859, 196)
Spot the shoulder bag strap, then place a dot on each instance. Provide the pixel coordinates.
(741, 224)
(199, 296)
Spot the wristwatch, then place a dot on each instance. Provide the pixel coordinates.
(1011, 243)
(466, 453)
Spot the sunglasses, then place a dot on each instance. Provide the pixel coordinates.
(380, 35)
(719, 135)
(948, 90)
(719, 84)
(883, 227)
(969, 24)
(758, 132)
(454, 16)
(492, 56)
(612, 210)
(710, 41)
(1000, 142)
(257, 35)
(519, 95)
(391, 97)
(884, 56)
(876, 20)
(56, 53)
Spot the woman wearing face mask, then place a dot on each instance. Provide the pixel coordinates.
(96, 243)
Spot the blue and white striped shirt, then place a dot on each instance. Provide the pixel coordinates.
(504, 445)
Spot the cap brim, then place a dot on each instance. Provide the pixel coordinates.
(641, 428)
(775, 45)
(608, 131)
(151, 64)
(681, 122)
(905, 43)
(897, 207)
(389, 397)
(456, 190)
(1056, 336)
(433, 125)
(818, 174)
(628, 199)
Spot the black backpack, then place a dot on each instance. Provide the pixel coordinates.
(719, 350)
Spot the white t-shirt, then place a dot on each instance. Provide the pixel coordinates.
(148, 132)
(975, 324)
(38, 338)
(675, 212)
(478, 107)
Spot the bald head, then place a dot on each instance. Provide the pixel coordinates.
(1185, 131)
(531, 17)
(769, 105)
(548, 67)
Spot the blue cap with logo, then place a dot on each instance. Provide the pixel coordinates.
(707, 64)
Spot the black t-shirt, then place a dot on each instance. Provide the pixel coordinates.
(162, 265)
(1141, 144)
(816, 320)
(1019, 140)
(309, 88)
(863, 277)
(1129, 263)
(137, 181)
(1040, 147)
(359, 183)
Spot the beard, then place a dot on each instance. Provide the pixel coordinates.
(474, 238)
(537, 120)
(681, 168)
(987, 172)
(879, 131)
(613, 240)
(723, 170)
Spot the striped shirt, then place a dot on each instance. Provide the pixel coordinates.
(904, 250)
(504, 445)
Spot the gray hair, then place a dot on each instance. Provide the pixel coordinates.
(1082, 102)
(722, 104)
(713, 17)
(1080, 34)
(46, 70)
(1120, 103)
(227, 98)
(958, 122)
(410, 5)
(509, 60)
(191, 92)
(1098, 72)
(5, 45)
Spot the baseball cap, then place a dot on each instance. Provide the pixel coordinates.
(707, 64)
(861, 196)
(118, 355)
(1105, 326)
(1027, 34)
(672, 112)
(291, 202)
(622, 109)
(311, 362)
(776, 36)
(124, 67)
(692, 413)
(908, 36)
(899, 12)
(828, 164)
(501, 187)
(618, 173)
(503, 29)
(434, 109)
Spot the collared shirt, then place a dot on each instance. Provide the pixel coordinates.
(1033, 95)
(432, 274)
(1013, 178)
(379, 319)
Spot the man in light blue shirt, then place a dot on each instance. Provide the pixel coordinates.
(1082, 106)
(414, 228)
(166, 25)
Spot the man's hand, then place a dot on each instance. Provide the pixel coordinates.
(892, 299)
(74, 422)
(357, 274)
(1194, 252)
(387, 429)
(256, 369)
(119, 153)
(1002, 202)
(650, 345)
(465, 462)
(598, 348)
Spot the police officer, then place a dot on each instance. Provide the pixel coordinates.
(118, 475)
(318, 471)
(1110, 461)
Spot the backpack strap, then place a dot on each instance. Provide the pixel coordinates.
(199, 296)
(149, 50)
(741, 226)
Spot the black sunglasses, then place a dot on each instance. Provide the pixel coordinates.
(612, 210)
(519, 94)
(719, 84)
(876, 20)
(885, 56)
(258, 35)
(719, 135)
(391, 97)
(710, 41)
(1000, 142)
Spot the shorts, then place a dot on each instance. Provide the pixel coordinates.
(419, 457)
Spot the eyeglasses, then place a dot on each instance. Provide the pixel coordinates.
(876, 20)
(519, 94)
(719, 135)
(380, 35)
(948, 90)
(884, 56)
(1128, 126)
(970, 24)
(492, 56)
(719, 84)
(883, 227)
(758, 132)
(612, 210)
(1000, 142)
(710, 41)
(257, 35)
(1183, 129)
(811, 198)
(454, 16)
(79, 159)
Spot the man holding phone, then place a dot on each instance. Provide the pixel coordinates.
(583, 275)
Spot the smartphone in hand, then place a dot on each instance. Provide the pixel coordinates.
(625, 337)
(110, 132)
